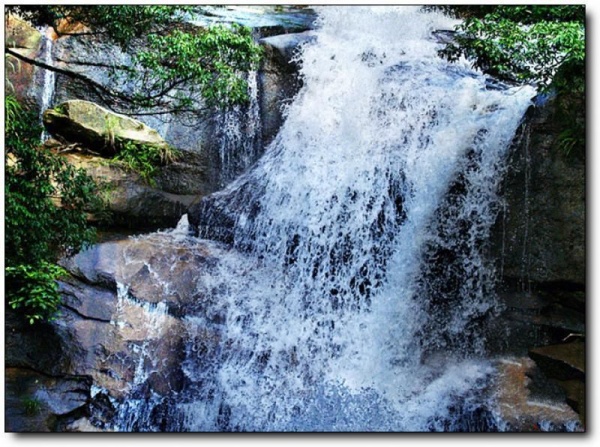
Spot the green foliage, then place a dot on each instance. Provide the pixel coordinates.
(540, 44)
(34, 290)
(11, 113)
(144, 159)
(544, 45)
(32, 406)
(569, 141)
(177, 68)
(208, 61)
(570, 112)
(38, 231)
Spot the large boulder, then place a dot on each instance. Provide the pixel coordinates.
(98, 128)
(107, 328)
(278, 78)
(22, 79)
(133, 202)
(110, 342)
(541, 235)
(21, 36)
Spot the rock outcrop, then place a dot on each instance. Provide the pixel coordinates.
(278, 78)
(539, 242)
(200, 170)
(21, 79)
(544, 223)
(110, 341)
(199, 140)
(97, 128)
(539, 239)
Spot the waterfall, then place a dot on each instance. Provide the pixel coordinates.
(48, 79)
(353, 291)
(239, 134)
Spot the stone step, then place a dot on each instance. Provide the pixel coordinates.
(575, 390)
(562, 362)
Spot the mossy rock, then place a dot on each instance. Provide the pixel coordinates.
(97, 128)
(21, 36)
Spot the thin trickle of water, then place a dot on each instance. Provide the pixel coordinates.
(240, 135)
(48, 81)
(525, 281)
(140, 323)
(355, 291)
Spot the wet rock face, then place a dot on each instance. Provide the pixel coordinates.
(278, 78)
(109, 341)
(539, 240)
(544, 223)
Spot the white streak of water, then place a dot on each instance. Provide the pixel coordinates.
(48, 84)
(239, 133)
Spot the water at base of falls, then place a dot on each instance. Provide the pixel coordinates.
(355, 292)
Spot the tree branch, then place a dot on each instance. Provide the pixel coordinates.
(73, 75)
(96, 64)
(104, 92)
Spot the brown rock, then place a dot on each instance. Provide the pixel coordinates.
(563, 362)
(132, 202)
(518, 409)
(24, 39)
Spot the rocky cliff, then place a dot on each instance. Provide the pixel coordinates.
(539, 245)
(66, 375)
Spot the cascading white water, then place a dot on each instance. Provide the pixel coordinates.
(328, 312)
(239, 134)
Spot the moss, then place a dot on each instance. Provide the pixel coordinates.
(144, 159)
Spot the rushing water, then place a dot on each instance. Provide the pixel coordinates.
(355, 291)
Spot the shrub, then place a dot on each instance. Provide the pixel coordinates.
(145, 159)
(46, 205)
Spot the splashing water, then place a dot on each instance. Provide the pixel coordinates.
(355, 291)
